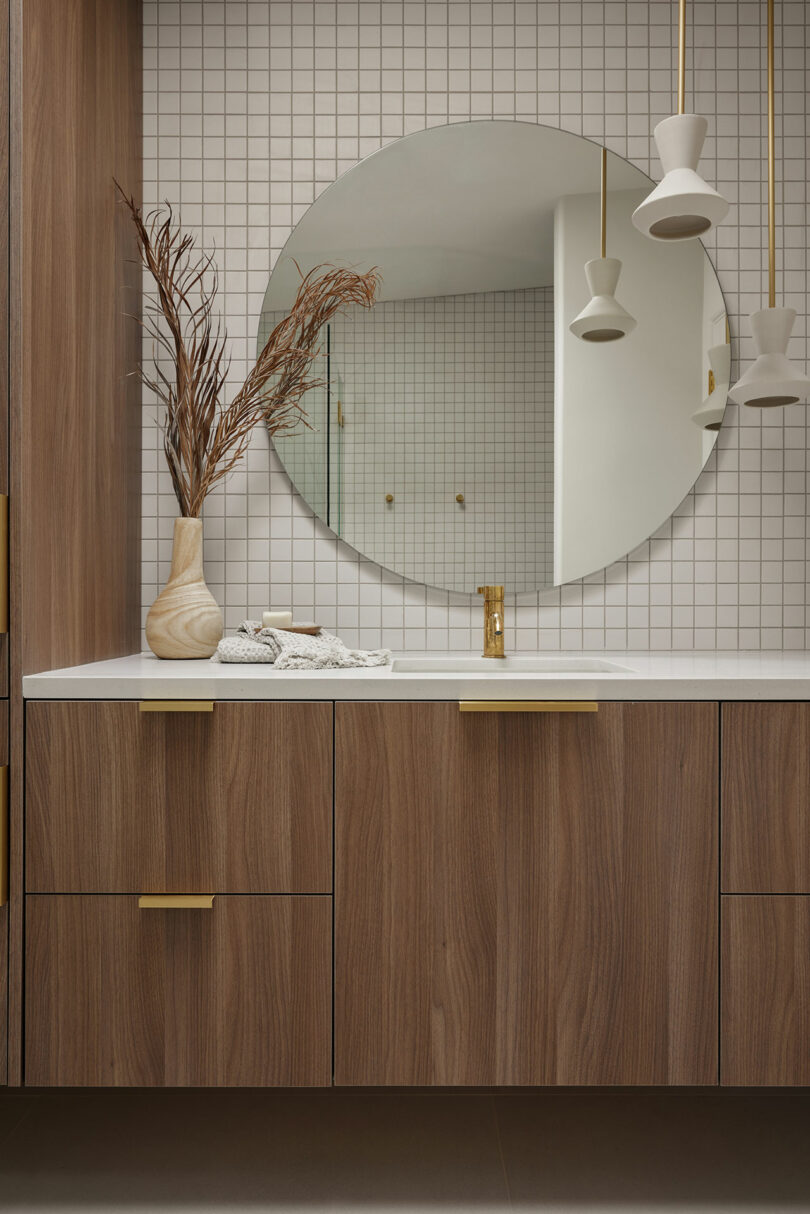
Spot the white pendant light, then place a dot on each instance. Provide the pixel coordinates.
(772, 379)
(710, 414)
(604, 318)
(682, 206)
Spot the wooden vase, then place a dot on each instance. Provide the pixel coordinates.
(184, 621)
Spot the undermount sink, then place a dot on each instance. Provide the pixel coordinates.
(513, 665)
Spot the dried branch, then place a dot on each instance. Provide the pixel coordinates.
(203, 438)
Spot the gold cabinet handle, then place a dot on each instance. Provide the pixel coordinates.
(4, 562)
(528, 706)
(176, 901)
(4, 860)
(176, 706)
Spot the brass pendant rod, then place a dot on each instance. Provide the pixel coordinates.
(604, 203)
(681, 55)
(771, 169)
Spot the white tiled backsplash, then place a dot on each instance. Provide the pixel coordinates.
(470, 412)
(251, 109)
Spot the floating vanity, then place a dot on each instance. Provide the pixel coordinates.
(534, 891)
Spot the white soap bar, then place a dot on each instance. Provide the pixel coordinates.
(276, 619)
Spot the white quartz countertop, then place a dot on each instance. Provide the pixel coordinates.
(646, 676)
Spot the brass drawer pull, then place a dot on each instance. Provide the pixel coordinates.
(176, 706)
(176, 901)
(528, 706)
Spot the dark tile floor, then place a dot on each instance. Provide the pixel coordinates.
(565, 1151)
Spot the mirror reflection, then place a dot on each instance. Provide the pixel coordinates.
(465, 434)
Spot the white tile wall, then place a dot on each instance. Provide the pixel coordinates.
(252, 108)
(469, 411)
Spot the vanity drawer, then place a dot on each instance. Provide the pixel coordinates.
(765, 985)
(765, 798)
(237, 995)
(120, 800)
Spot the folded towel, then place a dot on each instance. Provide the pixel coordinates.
(294, 650)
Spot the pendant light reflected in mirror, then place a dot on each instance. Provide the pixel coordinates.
(682, 206)
(772, 380)
(710, 414)
(604, 318)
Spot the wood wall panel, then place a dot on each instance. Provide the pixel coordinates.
(75, 122)
(4, 483)
(526, 898)
(79, 429)
(4, 290)
(766, 798)
(765, 984)
(235, 996)
(238, 800)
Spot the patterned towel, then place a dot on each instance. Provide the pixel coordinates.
(294, 650)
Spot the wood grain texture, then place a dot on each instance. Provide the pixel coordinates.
(238, 800)
(765, 984)
(79, 426)
(765, 798)
(4, 480)
(16, 712)
(236, 996)
(75, 120)
(526, 899)
(4, 915)
(4, 287)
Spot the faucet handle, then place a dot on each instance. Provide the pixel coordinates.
(491, 592)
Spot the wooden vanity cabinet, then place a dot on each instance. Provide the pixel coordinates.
(233, 800)
(766, 798)
(526, 898)
(765, 984)
(765, 976)
(236, 996)
(520, 898)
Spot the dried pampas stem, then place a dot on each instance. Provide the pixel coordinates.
(203, 438)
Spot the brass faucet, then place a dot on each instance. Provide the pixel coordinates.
(493, 621)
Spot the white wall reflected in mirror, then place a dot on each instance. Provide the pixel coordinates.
(464, 380)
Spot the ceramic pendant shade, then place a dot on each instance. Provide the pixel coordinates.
(710, 414)
(604, 318)
(682, 206)
(773, 379)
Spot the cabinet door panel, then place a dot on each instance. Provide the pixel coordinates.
(119, 801)
(766, 798)
(765, 1024)
(237, 996)
(526, 898)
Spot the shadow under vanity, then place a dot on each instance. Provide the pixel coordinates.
(407, 894)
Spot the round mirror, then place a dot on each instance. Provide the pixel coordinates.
(473, 427)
